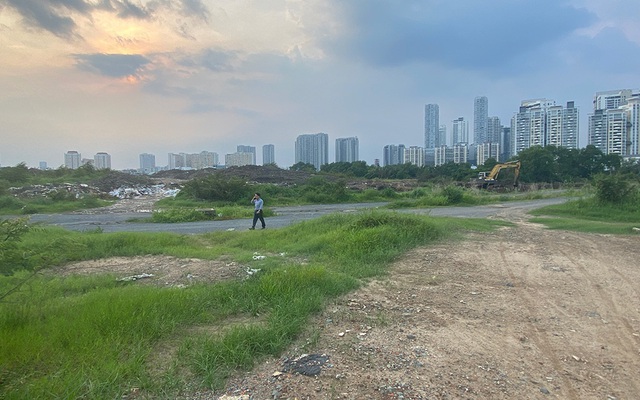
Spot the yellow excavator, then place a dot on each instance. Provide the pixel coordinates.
(489, 180)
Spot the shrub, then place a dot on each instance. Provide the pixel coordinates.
(614, 189)
(11, 232)
(454, 194)
(214, 188)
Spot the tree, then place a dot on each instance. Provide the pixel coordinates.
(538, 165)
(300, 166)
(15, 175)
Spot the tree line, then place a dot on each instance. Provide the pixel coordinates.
(549, 164)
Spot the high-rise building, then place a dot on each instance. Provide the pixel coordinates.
(480, 118)
(43, 165)
(441, 155)
(494, 129)
(72, 159)
(632, 109)
(248, 149)
(312, 149)
(432, 126)
(460, 131)
(415, 155)
(460, 153)
(505, 143)
(268, 154)
(204, 159)
(177, 161)
(393, 155)
(102, 160)
(612, 99)
(442, 135)
(238, 159)
(347, 149)
(614, 125)
(540, 123)
(147, 163)
(487, 150)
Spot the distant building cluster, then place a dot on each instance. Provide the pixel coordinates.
(614, 125)
(613, 128)
(74, 160)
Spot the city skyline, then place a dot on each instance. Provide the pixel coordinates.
(142, 76)
(538, 122)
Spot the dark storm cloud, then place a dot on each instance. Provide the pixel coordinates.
(60, 17)
(50, 16)
(461, 34)
(112, 65)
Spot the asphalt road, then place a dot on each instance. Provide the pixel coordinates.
(122, 222)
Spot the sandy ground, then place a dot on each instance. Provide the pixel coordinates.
(518, 313)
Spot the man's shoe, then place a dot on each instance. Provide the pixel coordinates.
(263, 227)
(251, 229)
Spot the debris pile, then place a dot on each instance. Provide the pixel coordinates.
(48, 190)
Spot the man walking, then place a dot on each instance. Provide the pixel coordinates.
(257, 213)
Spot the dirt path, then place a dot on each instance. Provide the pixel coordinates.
(520, 313)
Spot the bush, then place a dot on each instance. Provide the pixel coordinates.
(454, 194)
(614, 189)
(11, 232)
(214, 188)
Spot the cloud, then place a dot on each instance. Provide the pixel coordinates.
(126, 9)
(610, 52)
(461, 34)
(61, 17)
(49, 16)
(195, 8)
(112, 65)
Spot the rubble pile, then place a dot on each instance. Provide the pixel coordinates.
(130, 192)
(77, 189)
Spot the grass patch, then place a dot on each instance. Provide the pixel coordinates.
(589, 215)
(442, 196)
(176, 210)
(10, 205)
(93, 337)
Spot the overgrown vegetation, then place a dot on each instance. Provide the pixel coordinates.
(57, 200)
(614, 208)
(95, 338)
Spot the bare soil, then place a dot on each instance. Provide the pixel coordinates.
(519, 313)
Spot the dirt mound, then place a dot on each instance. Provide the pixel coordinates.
(249, 173)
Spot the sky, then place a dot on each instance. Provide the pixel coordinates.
(183, 76)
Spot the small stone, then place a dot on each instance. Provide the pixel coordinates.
(544, 390)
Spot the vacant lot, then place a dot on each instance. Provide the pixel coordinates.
(522, 312)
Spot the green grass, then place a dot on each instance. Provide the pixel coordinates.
(185, 210)
(95, 338)
(10, 205)
(588, 215)
(442, 196)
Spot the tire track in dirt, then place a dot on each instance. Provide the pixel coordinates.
(528, 299)
(624, 334)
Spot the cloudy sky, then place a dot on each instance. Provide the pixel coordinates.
(158, 76)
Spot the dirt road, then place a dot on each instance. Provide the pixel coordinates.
(520, 313)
